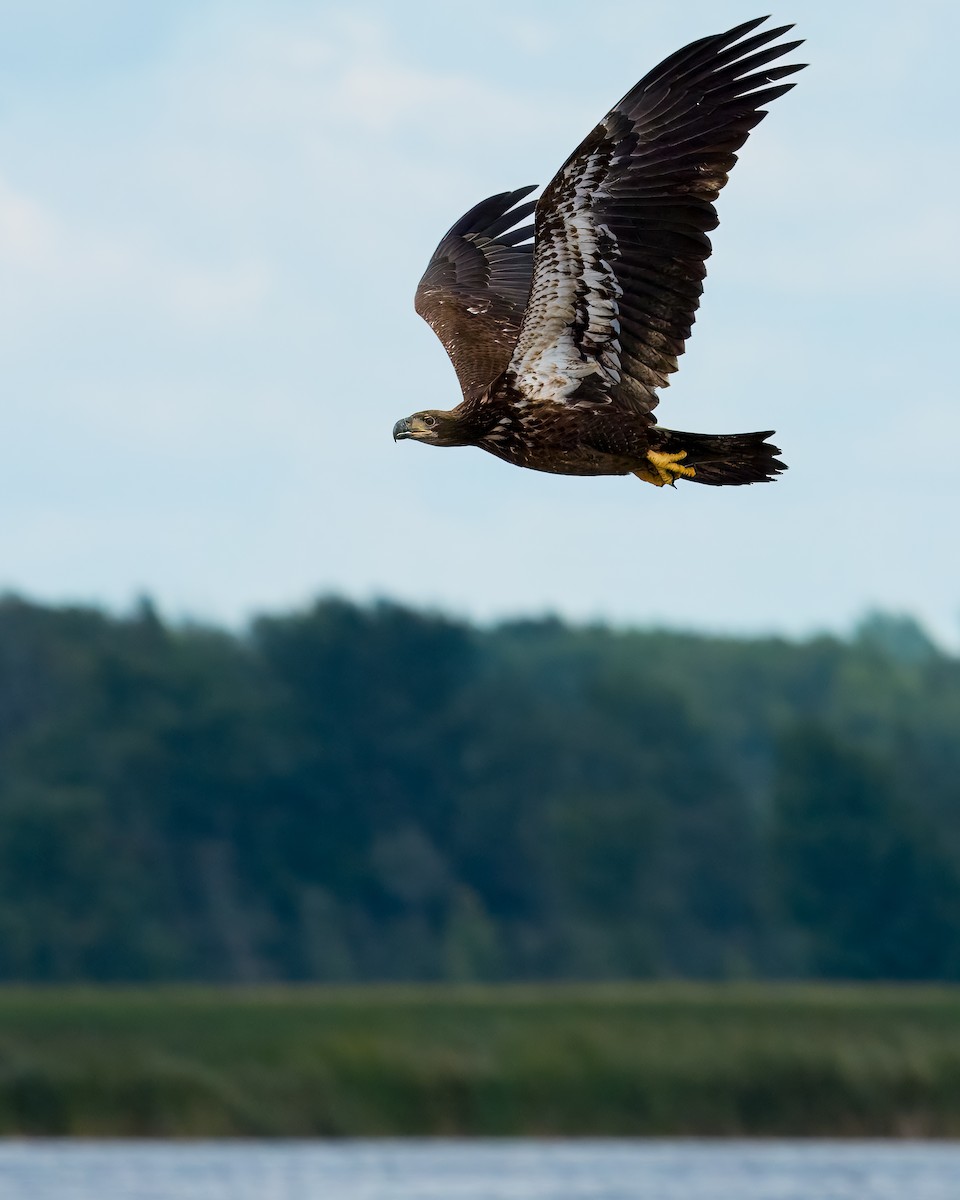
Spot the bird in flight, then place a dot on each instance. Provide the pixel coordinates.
(562, 332)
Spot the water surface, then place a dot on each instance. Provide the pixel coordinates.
(480, 1170)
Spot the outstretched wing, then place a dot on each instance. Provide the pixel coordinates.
(621, 232)
(475, 289)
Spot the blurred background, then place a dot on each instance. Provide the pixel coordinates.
(281, 701)
(212, 220)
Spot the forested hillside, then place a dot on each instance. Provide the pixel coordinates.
(352, 793)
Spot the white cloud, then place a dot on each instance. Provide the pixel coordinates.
(55, 259)
(27, 234)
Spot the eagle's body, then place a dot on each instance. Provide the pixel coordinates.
(561, 345)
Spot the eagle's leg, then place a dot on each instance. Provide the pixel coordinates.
(664, 468)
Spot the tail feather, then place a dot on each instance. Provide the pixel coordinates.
(723, 458)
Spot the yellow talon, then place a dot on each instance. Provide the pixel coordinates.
(665, 468)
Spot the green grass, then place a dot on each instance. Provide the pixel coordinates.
(617, 1060)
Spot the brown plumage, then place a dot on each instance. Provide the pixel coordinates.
(561, 345)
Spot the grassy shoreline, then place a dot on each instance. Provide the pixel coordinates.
(588, 1060)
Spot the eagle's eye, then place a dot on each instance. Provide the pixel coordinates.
(429, 422)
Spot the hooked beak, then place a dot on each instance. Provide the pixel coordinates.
(401, 430)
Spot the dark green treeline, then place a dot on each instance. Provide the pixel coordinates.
(354, 793)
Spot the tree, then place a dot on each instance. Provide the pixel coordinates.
(861, 874)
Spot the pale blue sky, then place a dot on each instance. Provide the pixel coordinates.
(212, 220)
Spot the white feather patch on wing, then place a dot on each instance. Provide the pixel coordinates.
(570, 329)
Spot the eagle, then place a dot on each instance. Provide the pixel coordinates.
(562, 331)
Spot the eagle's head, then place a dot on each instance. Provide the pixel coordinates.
(435, 427)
